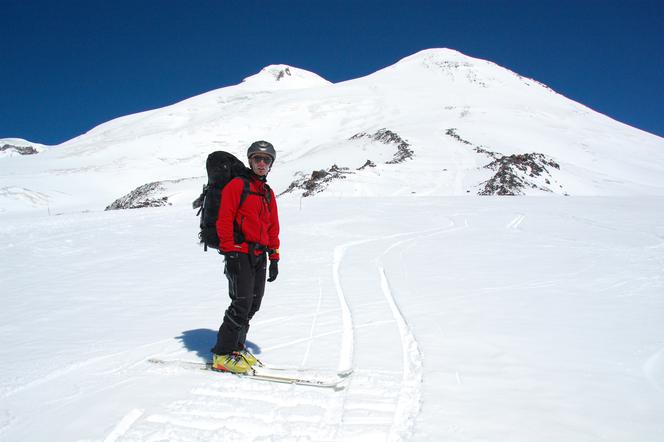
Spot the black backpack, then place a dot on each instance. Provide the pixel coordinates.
(221, 167)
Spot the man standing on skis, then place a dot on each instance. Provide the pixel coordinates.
(248, 230)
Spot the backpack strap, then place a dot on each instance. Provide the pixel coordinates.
(245, 191)
(237, 233)
(267, 195)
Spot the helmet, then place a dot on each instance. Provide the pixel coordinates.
(262, 147)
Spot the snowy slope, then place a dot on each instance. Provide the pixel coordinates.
(456, 113)
(465, 319)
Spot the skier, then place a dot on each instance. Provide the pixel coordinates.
(248, 234)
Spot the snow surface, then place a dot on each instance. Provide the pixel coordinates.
(464, 318)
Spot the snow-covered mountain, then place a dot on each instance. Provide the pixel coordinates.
(435, 123)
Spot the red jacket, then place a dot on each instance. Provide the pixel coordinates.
(257, 220)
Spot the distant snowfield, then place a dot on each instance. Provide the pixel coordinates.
(465, 319)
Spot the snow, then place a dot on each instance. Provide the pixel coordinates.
(464, 318)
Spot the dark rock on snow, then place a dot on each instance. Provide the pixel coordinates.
(318, 180)
(21, 150)
(142, 196)
(513, 173)
(386, 136)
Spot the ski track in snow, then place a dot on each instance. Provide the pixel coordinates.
(653, 369)
(366, 409)
(124, 425)
(516, 222)
(347, 340)
(314, 321)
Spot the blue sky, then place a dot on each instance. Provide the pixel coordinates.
(69, 65)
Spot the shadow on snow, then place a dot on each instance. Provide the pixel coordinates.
(202, 340)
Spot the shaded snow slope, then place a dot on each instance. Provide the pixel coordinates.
(465, 319)
(456, 113)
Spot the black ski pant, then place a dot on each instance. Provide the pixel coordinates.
(246, 291)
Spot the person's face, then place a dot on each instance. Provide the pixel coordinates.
(260, 164)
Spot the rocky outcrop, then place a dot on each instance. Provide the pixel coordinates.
(369, 163)
(386, 136)
(282, 73)
(155, 194)
(142, 196)
(21, 150)
(479, 149)
(318, 180)
(517, 173)
(514, 174)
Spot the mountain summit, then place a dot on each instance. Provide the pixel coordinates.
(281, 76)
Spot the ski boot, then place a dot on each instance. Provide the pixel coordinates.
(251, 359)
(232, 362)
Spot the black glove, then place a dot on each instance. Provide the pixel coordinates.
(233, 263)
(274, 271)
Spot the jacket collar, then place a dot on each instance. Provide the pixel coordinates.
(255, 177)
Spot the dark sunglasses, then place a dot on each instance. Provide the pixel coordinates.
(258, 158)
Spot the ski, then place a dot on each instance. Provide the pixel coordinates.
(283, 368)
(304, 377)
